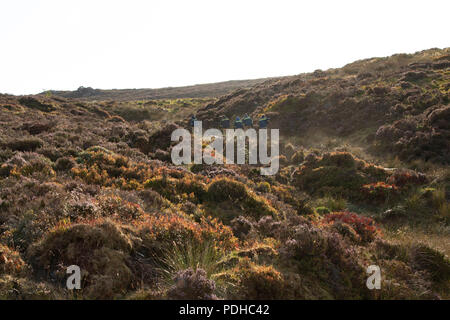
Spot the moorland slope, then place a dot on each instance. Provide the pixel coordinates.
(364, 180)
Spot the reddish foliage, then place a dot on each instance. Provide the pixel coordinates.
(406, 177)
(364, 226)
(379, 191)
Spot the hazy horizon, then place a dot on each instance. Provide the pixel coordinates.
(54, 45)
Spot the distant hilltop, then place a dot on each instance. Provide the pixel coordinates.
(195, 91)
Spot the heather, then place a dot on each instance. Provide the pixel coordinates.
(86, 179)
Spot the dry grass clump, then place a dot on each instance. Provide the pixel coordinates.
(98, 165)
(101, 249)
(12, 288)
(432, 261)
(158, 231)
(338, 174)
(257, 282)
(10, 261)
(230, 193)
(178, 186)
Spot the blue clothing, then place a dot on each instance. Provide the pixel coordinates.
(238, 123)
(263, 122)
(248, 121)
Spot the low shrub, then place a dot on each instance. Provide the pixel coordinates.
(114, 206)
(263, 187)
(415, 203)
(13, 288)
(241, 226)
(192, 285)
(344, 182)
(35, 128)
(379, 192)
(100, 249)
(339, 159)
(25, 144)
(36, 165)
(432, 261)
(10, 261)
(346, 230)
(5, 170)
(258, 282)
(226, 189)
(237, 197)
(333, 204)
(322, 210)
(330, 264)
(82, 208)
(338, 174)
(64, 164)
(162, 155)
(440, 204)
(405, 178)
(158, 232)
(175, 189)
(34, 103)
(306, 241)
(5, 154)
(365, 227)
(401, 282)
(52, 153)
(396, 213)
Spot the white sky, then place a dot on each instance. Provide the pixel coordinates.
(64, 44)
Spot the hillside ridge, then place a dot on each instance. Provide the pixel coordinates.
(192, 91)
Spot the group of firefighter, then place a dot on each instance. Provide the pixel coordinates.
(245, 122)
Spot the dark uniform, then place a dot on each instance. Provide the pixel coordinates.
(248, 122)
(263, 122)
(238, 123)
(225, 123)
(191, 122)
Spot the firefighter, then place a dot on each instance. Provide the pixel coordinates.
(238, 123)
(263, 122)
(224, 122)
(192, 120)
(248, 122)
